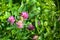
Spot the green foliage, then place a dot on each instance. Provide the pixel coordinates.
(44, 11)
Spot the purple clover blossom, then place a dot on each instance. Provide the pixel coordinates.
(24, 15)
(31, 27)
(11, 19)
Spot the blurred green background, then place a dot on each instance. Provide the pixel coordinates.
(47, 12)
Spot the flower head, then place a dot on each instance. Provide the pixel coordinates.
(11, 19)
(31, 27)
(24, 15)
(20, 24)
(35, 37)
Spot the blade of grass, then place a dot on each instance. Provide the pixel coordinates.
(36, 25)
